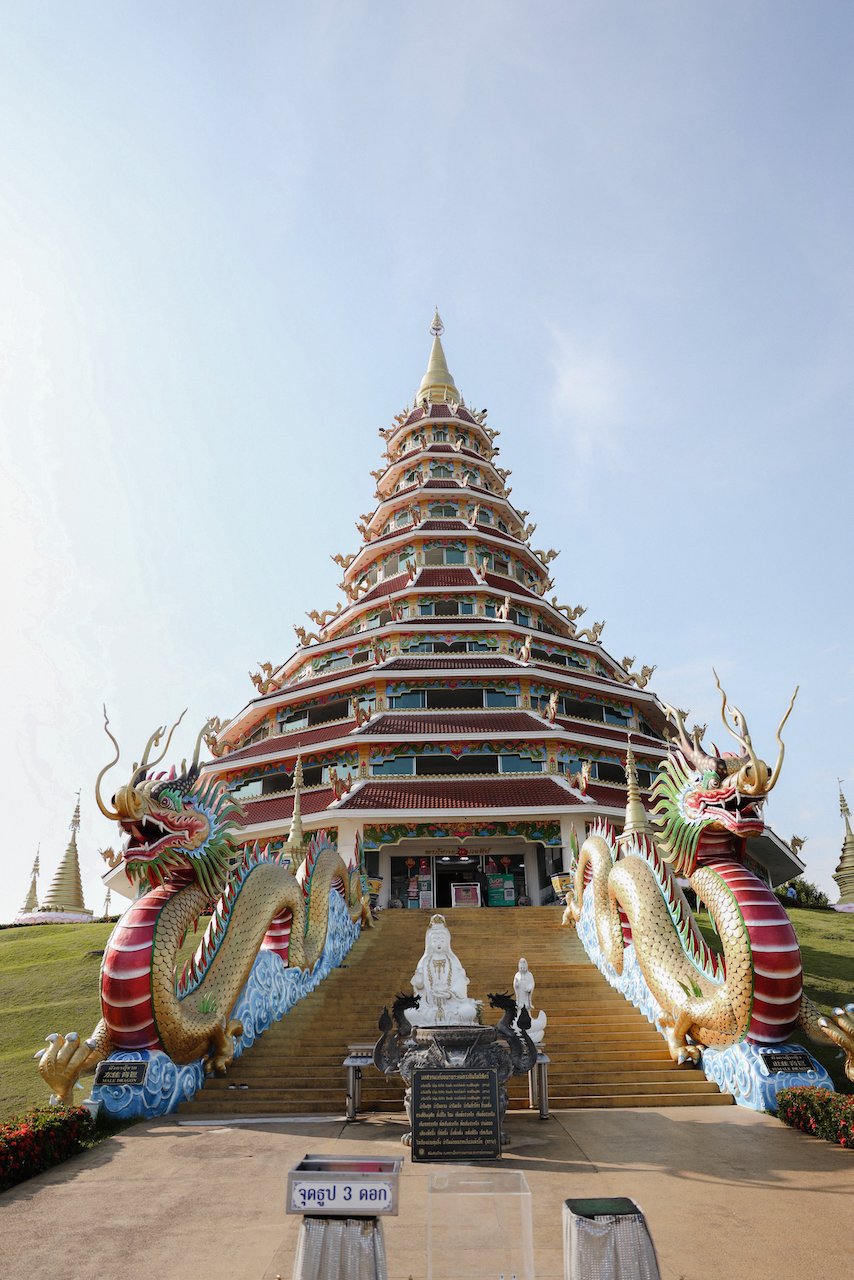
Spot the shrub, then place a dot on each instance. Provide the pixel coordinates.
(40, 1139)
(827, 1115)
(805, 894)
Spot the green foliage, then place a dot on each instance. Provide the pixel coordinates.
(806, 895)
(48, 982)
(816, 1111)
(40, 1139)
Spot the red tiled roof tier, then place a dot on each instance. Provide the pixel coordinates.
(439, 525)
(385, 588)
(445, 577)
(460, 793)
(508, 586)
(451, 662)
(451, 722)
(607, 732)
(289, 741)
(442, 484)
(277, 808)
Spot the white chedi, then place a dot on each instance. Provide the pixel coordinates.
(440, 982)
(523, 990)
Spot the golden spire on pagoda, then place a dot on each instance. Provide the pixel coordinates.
(32, 901)
(844, 873)
(437, 383)
(294, 845)
(637, 822)
(66, 888)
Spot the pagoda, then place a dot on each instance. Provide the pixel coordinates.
(844, 873)
(63, 903)
(452, 719)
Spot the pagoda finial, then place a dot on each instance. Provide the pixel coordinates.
(74, 824)
(437, 385)
(637, 822)
(843, 807)
(32, 901)
(66, 889)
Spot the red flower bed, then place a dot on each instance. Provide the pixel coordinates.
(827, 1115)
(40, 1139)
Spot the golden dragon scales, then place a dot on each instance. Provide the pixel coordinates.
(180, 843)
(705, 807)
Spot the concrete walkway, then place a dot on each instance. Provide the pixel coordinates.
(727, 1193)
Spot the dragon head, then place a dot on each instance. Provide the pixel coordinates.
(696, 792)
(174, 822)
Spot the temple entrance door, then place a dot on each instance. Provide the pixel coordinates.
(453, 870)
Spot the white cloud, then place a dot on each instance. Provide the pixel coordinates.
(588, 401)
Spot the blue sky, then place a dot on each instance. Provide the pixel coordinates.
(222, 235)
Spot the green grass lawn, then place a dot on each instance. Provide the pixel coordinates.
(48, 982)
(827, 951)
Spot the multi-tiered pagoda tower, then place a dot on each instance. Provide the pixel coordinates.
(449, 713)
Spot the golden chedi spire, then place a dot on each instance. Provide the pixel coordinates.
(294, 846)
(437, 383)
(66, 889)
(637, 822)
(844, 873)
(32, 900)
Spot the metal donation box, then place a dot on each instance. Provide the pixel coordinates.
(607, 1239)
(342, 1200)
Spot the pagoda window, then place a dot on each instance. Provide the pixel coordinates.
(645, 727)
(478, 646)
(484, 517)
(426, 609)
(446, 608)
(502, 566)
(401, 518)
(257, 736)
(467, 606)
(273, 782)
(582, 710)
(440, 434)
(473, 476)
(454, 699)
(440, 471)
(338, 710)
(412, 698)
(434, 555)
(287, 721)
(500, 698)
(489, 610)
(613, 716)
(607, 772)
(385, 618)
(397, 765)
(440, 509)
(360, 657)
(646, 777)
(448, 764)
(556, 659)
(521, 619)
(502, 526)
(246, 790)
(454, 555)
(411, 477)
(511, 763)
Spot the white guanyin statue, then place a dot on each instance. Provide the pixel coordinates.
(523, 990)
(441, 983)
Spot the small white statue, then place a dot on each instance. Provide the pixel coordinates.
(523, 990)
(440, 981)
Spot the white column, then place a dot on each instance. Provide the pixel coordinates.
(347, 831)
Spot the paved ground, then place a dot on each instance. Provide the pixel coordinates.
(727, 1193)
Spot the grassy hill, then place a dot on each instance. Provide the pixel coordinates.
(49, 982)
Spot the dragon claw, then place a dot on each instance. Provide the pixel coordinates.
(839, 1029)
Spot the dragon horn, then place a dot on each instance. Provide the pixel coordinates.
(155, 740)
(775, 772)
(112, 815)
(729, 728)
(741, 733)
(204, 729)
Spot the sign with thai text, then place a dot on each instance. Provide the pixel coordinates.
(788, 1060)
(118, 1073)
(341, 1197)
(455, 1114)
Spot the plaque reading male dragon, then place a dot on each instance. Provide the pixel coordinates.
(455, 1114)
(118, 1073)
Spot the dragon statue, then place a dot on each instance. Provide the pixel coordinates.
(705, 807)
(181, 845)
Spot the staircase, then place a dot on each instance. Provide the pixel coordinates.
(603, 1052)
